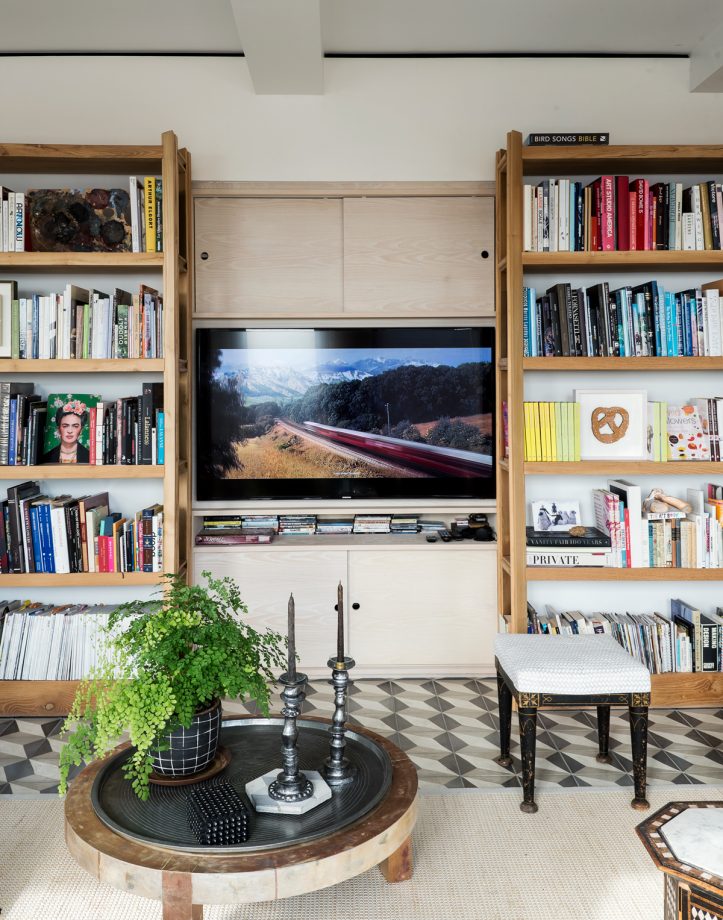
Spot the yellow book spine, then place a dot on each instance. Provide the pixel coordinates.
(576, 428)
(663, 413)
(545, 424)
(149, 209)
(536, 432)
(526, 428)
(553, 432)
(563, 428)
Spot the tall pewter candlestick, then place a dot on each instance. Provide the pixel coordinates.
(291, 785)
(337, 768)
(289, 792)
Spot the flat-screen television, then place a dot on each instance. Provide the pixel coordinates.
(353, 412)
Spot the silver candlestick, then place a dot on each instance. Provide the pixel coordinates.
(337, 768)
(291, 785)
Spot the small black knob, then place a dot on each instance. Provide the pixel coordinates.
(484, 254)
(204, 256)
(355, 606)
(336, 607)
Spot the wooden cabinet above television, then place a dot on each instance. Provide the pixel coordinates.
(382, 253)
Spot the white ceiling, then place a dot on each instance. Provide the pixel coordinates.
(292, 35)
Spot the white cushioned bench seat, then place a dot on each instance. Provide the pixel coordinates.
(568, 665)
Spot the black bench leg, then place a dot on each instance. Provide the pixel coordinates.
(528, 733)
(639, 737)
(504, 695)
(603, 734)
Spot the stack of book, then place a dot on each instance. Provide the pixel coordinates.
(685, 640)
(641, 321)
(230, 536)
(372, 523)
(22, 424)
(561, 548)
(49, 642)
(335, 525)
(617, 213)
(224, 521)
(552, 431)
(299, 524)
(63, 534)
(265, 521)
(81, 323)
(404, 523)
(428, 526)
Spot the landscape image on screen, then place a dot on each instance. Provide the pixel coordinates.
(348, 413)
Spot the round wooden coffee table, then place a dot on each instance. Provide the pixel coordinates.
(184, 882)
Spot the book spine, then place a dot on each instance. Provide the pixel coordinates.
(159, 214)
(607, 227)
(149, 207)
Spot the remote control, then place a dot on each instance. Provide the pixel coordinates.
(445, 535)
(431, 538)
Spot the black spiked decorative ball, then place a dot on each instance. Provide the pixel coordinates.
(217, 815)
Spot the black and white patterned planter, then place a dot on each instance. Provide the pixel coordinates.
(190, 750)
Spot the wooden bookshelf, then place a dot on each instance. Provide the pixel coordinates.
(168, 271)
(98, 261)
(512, 165)
(622, 364)
(82, 471)
(617, 468)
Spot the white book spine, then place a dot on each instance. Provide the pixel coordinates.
(698, 219)
(527, 218)
(688, 225)
(19, 222)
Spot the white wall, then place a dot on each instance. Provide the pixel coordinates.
(378, 119)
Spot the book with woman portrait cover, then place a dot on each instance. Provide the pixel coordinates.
(67, 427)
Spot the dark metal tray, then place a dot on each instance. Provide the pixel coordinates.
(255, 746)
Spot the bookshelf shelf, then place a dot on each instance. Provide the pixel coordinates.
(535, 573)
(86, 579)
(82, 366)
(97, 261)
(513, 264)
(623, 364)
(82, 471)
(629, 261)
(172, 272)
(619, 468)
(36, 697)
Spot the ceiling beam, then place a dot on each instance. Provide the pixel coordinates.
(281, 40)
(706, 63)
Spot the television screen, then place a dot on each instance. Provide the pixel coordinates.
(345, 413)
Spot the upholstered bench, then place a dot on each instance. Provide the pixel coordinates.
(573, 671)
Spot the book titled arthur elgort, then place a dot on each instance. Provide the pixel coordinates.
(566, 140)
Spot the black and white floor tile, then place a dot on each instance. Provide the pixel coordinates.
(449, 729)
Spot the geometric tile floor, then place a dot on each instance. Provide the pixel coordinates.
(449, 730)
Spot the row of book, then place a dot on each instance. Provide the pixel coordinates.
(262, 528)
(129, 430)
(51, 642)
(616, 213)
(672, 432)
(552, 431)
(643, 320)
(82, 323)
(683, 640)
(64, 534)
(26, 216)
(627, 535)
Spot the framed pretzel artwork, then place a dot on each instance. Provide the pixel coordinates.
(613, 424)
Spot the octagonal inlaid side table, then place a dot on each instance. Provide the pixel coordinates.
(685, 840)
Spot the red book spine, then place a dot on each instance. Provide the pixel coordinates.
(597, 214)
(607, 222)
(110, 553)
(642, 196)
(622, 212)
(632, 207)
(102, 554)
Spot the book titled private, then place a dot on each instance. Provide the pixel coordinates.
(564, 140)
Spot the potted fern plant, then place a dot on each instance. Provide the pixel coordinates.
(168, 664)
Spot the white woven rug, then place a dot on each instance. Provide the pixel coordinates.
(477, 857)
